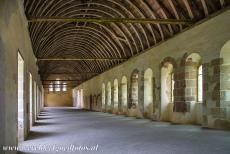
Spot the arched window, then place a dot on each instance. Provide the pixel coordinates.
(172, 87)
(193, 78)
(200, 84)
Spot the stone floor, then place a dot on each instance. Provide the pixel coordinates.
(109, 134)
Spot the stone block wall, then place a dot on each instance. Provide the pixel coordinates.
(205, 39)
(14, 37)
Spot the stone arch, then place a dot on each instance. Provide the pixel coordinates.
(225, 53)
(225, 75)
(193, 78)
(168, 60)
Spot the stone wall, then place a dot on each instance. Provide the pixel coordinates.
(14, 37)
(57, 99)
(206, 39)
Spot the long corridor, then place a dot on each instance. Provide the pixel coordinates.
(81, 131)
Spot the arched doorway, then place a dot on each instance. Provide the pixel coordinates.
(167, 87)
(148, 93)
(20, 98)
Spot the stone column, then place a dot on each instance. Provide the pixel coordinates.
(216, 95)
(185, 88)
(112, 99)
(106, 99)
(141, 94)
(179, 90)
(120, 98)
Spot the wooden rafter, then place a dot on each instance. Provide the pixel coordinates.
(188, 7)
(205, 7)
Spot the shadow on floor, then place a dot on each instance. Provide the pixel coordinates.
(36, 135)
(19, 152)
(44, 118)
(44, 123)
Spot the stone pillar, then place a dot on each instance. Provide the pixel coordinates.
(185, 87)
(141, 94)
(125, 107)
(112, 99)
(116, 102)
(216, 94)
(154, 98)
(179, 90)
(106, 99)
(120, 98)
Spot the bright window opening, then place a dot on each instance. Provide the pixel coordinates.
(31, 100)
(200, 84)
(64, 87)
(57, 85)
(20, 98)
(51, 88)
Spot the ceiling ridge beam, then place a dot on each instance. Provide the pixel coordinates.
(79, 59)
(109, 20)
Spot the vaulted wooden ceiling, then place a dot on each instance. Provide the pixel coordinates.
(79, 49)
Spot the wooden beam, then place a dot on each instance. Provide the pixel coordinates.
(60, 80)
(80, 59)
(111, 20)
(54, 84)
(61, 90)
(63, 73)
